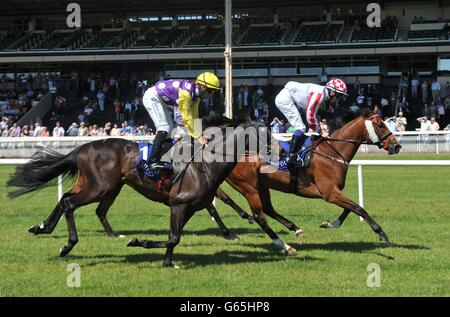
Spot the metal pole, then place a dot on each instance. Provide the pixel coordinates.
(228, 60)
(437, 144)
(60, 187)
(360, 189)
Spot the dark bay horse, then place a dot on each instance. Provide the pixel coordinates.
(101, 169)
(324, 178)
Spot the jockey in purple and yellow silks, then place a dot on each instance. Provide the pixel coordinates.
(181, 93)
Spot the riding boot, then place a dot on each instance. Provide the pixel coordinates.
(297, 141)
(153, 161)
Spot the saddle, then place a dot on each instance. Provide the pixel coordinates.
(160, 177)
(304, 155)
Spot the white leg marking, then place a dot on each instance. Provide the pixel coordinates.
(278, 243)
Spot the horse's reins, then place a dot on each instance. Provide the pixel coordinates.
(342, 159)
(181, 174)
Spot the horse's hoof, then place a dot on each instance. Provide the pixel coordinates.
(327, 225)
(132, 242)
(170, 265)
(64, 251)
(384, 241)
(300, 233)
(121, 236)
(230, 236)
(251, 220)
(34, 229)
(290, 251)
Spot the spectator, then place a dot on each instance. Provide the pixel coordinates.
(115, 131)
(275, 125)
(361, 99)
(44, 132)
(324, 127)
(93, 130)
(435, 89)
(446, 90)
(37, 129)
(401, 122)
(72, 130)
(282, 128)
(425, 91)
(107, 129)
(391, 123)
(58, 130)
(81, 117)
(14, 131)
(357, 85)
(403, 84)
(424, 123)
(5, 132)
(82, 130)
(414, 85)
(25, 131)
(117, 110)
(323, 77)
(434, 126)
(385, 106)
(101, 100)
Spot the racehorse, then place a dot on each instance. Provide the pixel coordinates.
(324, 178)
(102, 168)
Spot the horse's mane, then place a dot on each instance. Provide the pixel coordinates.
(347, 118)
(218, 120)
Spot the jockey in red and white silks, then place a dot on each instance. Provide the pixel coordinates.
(310, 98)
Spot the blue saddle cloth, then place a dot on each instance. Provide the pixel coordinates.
(144, 149)
(282, 164)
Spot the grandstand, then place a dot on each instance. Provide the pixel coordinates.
(284, 39)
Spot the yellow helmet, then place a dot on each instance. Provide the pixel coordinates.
(209, 80)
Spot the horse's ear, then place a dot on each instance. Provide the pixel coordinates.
(366, 112)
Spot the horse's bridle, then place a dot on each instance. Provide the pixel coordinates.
(379, 143)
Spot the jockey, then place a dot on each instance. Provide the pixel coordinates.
(308, 97)
(182, 94)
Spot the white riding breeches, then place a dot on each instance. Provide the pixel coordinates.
(158, 110)
(286, 105)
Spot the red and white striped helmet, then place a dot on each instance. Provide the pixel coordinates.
(338, 86)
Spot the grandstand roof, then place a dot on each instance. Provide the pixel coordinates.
(32, 7)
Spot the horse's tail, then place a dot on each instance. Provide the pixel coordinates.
(44, 166)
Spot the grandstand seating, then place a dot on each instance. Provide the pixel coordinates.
(172, 37)
(366, 34)
(9, 38)
(50, 41)
(256, 35)
(332, 33)
(424, 35)
(310, 34)
(100, 39)
(277, 36)
(147, 39)
(204, 36)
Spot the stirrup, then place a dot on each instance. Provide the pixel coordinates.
(295, 161)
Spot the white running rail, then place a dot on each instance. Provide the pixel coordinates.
(358, 163)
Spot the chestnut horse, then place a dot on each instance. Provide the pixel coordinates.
(324, 178)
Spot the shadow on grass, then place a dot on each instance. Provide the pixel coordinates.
(210, 231)
(192, 260)
(345, 246)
